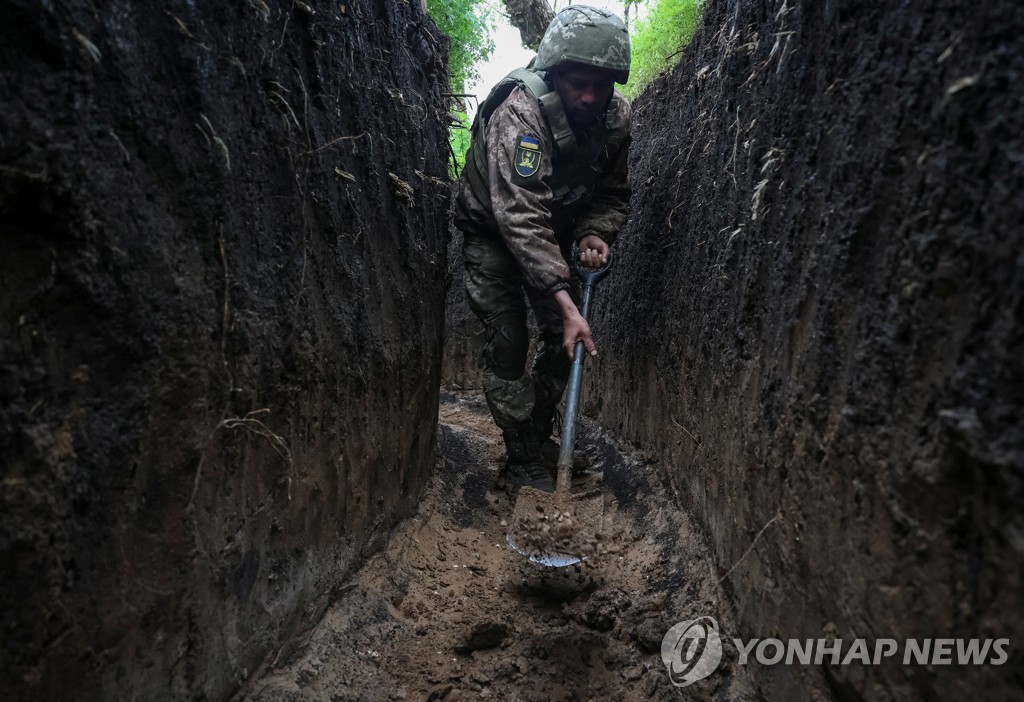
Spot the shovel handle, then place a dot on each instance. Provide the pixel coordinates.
(589, 277)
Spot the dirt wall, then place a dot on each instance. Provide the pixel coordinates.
(223, 241)
(815, 324)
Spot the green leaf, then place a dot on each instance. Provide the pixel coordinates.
(658, 41)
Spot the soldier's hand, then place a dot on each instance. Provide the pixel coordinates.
(593, 251)
(578, 330)
(574, 327)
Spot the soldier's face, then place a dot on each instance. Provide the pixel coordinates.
(585, 92)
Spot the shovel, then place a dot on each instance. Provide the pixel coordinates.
(561, 529)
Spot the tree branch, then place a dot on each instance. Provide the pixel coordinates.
(531, 18)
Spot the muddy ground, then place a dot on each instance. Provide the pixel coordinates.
(448, 611)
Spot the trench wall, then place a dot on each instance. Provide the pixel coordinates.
(815, 324)
(223, 244)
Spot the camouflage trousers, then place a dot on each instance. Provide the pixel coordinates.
(494, 285)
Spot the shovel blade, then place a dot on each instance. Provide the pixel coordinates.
(556, 529)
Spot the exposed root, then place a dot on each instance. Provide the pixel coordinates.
(336, 140)
(213, 140)
(90, 48)
(261, 7)
(751, 547)
(182, 27)
(402, 191)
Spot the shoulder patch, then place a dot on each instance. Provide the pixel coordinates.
(527, 156)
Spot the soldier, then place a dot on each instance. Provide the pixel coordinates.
(546, 168)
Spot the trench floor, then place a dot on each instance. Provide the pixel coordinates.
(447, 611)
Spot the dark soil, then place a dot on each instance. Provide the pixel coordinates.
(220, 342)
(448, 611)
(815, 322)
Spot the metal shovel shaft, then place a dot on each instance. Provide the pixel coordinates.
(572, 401)
(561, 529)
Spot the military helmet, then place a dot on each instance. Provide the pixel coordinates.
(587, 35)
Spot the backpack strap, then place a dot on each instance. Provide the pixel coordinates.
(551, 109)
(532, 82)
(549, 101)
(613, 112)
(554, 113)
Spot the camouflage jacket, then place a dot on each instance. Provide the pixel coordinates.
(539, 203)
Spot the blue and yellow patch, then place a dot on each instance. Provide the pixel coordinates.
(527, 157)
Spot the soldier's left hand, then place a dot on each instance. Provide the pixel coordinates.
(593, 251)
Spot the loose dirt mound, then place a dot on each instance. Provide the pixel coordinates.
(448, 611)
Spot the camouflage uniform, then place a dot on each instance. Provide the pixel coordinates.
(519, 229)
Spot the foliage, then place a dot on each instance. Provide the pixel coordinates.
(458, 137)
(466, 22)
(658, 39)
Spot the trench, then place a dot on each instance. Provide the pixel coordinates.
(448, 611)
(243, 449)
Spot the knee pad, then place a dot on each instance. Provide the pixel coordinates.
(551, 357)
(506, 348)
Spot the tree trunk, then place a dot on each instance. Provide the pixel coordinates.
(531, 18)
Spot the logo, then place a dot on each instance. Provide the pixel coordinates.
(691, 650)
(528, 155)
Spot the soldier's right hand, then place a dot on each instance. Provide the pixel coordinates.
(574, 327)
(593, 251)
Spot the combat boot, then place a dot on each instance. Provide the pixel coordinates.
(546, 426)
(523, 466)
